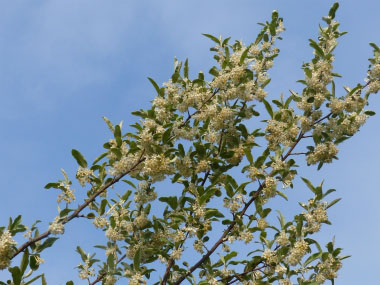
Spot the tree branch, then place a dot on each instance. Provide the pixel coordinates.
(80, 207)
(222, 239)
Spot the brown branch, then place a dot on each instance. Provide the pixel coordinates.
(321, 119)
(80, 207)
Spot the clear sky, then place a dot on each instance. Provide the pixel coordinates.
(65, 64)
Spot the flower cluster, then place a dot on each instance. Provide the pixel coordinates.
(270, 256)
(296, 253)
(144, 194)
(284, 133)
(270, 187)
(124, 164)
(283, 239)
(157, 166)
(328, 269)
(373, 77)
(84, 175)
(56, 227)
(136, 279)
(323, 152)
(67, 193)
(6, 249)
(315, 216)
(85, 270)
(235, 203)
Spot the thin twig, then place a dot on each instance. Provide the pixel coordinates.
(298, 153)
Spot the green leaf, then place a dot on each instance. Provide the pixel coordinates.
(79, 158)
(214, 71)
(70, 283)
(213, 213)
(100, 157)
(370, 113)
(281, 219)
(24, 261)
(155, 85)
(186, 69)
(129, 183)
(111, 262)
(244, 55)
(268, 107)
(333, 9)
(266, 82)
(317, 48)
(137, 260)
(16, 275)
(34, 279)
(166, 136)
(171, 201)
(64, 212)
(52, 185)
(248, 153)
(312, 258)
(117, 135)
(82, 253)
(47, 243)
(43, 281)
(375, 47)
(181, 150)
(207, 195)
(212, 38)
(307, 72)
(309, 185)
(33, 263)
(333, 203)
(229, 190)
(230, 255)
(102, 208)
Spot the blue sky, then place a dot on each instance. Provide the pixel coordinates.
(65, 64)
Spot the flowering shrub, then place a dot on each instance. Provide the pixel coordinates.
(195, 134)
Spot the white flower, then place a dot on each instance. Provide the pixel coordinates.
(6, 249)
(84, 175)
(56, 227)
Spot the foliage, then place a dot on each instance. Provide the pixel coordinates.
(198, 133)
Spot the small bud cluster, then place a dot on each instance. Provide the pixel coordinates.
(67, 193)
(316, 215)
(157, 166)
